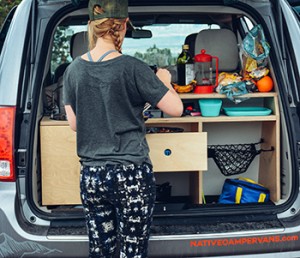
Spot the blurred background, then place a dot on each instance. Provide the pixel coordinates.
(5, 7)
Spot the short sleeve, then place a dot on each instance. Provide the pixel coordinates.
(149, 85)
(69, 94)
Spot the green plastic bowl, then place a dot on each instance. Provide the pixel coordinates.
(210, 107)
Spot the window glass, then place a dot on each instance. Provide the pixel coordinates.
(61, 45)
(162, 49)
(164, 46)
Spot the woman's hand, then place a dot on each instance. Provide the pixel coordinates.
(171, 102)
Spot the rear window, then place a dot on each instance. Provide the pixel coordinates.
(161, 50)
(164, 46)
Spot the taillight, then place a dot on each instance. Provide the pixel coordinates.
(7, 125)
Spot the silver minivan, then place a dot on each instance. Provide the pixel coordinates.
(227, 184)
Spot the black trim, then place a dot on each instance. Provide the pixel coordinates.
(36, 92)
(294, 2)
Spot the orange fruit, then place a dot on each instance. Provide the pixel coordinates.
(265, 84)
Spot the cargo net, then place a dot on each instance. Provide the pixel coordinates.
(234, 159)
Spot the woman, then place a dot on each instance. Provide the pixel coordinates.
(104, 95)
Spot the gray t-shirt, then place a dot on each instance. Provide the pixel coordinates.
(108, 99)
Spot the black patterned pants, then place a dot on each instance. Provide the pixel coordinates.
(118, 202)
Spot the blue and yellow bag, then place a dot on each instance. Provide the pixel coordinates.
(243, 190)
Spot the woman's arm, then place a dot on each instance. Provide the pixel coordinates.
(170, 102)
(71, 117)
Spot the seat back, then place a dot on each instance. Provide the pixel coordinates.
(54, 92)
(78, 46)
(221, 43)
(191, 40)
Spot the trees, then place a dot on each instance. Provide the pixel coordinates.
(61, 40)
(156, 56)
(5, 7)
(61, 47)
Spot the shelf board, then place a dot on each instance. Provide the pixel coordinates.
(185, 119)
(201, 119)
(46, 121)
(223, 96)
(224, 118)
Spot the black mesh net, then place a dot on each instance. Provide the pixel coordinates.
(234, 159)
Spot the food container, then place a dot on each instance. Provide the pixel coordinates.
(210, 107)
(204, 89)
(247, 111)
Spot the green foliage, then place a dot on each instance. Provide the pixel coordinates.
(5, 7)
(60, 51)
(61, 48)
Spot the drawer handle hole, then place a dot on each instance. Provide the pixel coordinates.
(168, 152)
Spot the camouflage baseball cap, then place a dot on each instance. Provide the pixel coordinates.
(112, 9)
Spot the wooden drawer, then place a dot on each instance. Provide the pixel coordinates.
(178, 151)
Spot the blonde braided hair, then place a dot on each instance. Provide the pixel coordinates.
(103, 27)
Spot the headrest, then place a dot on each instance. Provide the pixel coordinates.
(191, 40)
(79, 44)
(221, 43)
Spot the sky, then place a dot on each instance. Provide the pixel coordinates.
(168, 36)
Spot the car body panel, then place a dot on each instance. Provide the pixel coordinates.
(28, 230)
(10, 71)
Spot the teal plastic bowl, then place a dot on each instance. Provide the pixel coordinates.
(210, 107)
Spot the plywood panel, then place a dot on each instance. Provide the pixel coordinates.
(178, 151)
(269, 169)
(60, 166)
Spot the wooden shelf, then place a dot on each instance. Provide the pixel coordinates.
(182, 120)
(223, 118)
(58, 150)
(46, 121)
(201, 119)
(223, 96)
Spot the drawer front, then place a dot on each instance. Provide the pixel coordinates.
(178, 151)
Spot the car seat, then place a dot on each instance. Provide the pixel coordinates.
(53, 101)
(78, 46)
(191, 41)
(221, 43)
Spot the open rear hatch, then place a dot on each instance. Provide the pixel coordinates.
(194, 156)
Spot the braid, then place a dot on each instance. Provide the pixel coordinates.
(116, 35)
(103, 27)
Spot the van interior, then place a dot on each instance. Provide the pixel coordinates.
(205, 151)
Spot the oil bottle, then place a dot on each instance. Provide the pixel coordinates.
(185, 66)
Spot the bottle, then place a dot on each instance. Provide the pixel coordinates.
(185, 66)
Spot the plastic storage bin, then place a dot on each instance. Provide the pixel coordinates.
(210, 107)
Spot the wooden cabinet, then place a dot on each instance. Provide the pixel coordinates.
(169, 152)
(269, 162)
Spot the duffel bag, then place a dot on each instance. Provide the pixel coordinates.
(243, 190)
